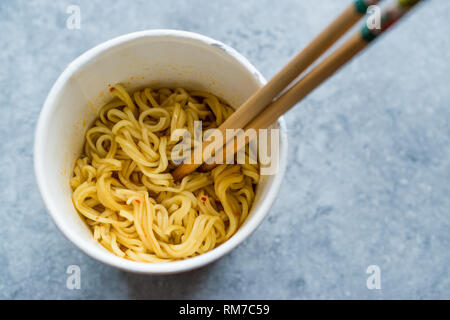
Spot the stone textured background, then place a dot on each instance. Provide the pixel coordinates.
(369, 172)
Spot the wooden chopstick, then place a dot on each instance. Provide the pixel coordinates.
(261, 98)
(300, 90)
(251, 119)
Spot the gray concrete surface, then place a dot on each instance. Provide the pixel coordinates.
(369, 172)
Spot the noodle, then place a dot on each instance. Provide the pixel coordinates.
(123, 187)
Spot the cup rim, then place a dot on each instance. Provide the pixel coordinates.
(108, 258)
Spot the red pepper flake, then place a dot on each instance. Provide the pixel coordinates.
(112, 89)
(138, 201)
(203, 199)
(236, 213)
(96, 218)
(218, 199)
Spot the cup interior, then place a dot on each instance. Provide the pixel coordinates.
(159, 58)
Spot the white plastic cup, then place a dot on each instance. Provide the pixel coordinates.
(148, 58)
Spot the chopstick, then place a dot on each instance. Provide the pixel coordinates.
(258, 113)
(262, 97)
